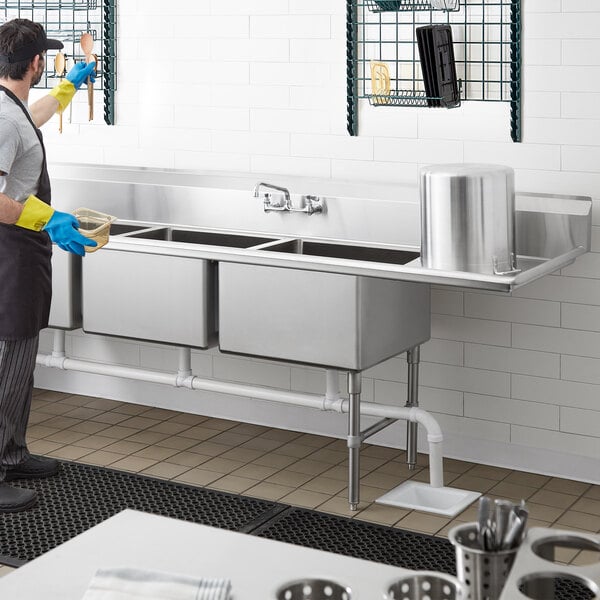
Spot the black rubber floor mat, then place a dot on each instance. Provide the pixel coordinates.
(359, 539)
(561, 588)
(378, 543)
(81, 496)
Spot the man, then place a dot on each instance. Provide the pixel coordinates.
(27, 226)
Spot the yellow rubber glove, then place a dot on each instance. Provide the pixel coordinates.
(64, 93)
(35, 214)
(66, 89)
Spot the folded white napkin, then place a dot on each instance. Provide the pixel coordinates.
(139, 584)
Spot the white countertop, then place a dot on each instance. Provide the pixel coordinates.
(257, 567)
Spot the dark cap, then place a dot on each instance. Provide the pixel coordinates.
(40, 44)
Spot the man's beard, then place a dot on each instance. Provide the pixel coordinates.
(38, 75)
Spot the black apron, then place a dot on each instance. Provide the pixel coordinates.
(25, 267)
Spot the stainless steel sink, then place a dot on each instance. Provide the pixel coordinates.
(326, 319)
(121, 228)
(150, 297)
(65, 310)
(212, 238)
(138, 294)
(346, 251)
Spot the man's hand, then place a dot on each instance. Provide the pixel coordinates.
(80, 73)
(64, 91)
(60, 226)
(63, 231)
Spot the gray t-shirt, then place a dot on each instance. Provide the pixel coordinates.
(21, 155)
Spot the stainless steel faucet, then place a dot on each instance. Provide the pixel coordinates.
(311, 204)
(268, 203)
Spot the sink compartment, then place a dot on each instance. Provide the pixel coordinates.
(346, 251)
(209, 238)
(121, 228)
(152, 297)
(158, 234)
(157, 297)
(218, 239)
(65, 310)
(341, 321)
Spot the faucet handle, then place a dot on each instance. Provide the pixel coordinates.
(270, 203)
(313, 204)
(266, 201)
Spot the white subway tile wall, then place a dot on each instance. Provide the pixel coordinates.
(260, 87)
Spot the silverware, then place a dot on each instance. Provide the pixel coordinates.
(501, 525)
(514, 534)
(482, 520)
(489, 537)
(503, 510)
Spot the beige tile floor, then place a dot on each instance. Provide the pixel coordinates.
(295, 468)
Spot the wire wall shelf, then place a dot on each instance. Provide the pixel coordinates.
(408, 97)
(67, 21)
(487, 50)
(51, 4)
(397, 5)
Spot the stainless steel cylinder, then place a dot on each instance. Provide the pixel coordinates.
(468, 218)
(424, 585)
(482, 573)
(314, 589)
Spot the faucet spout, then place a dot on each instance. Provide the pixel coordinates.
(284, 191)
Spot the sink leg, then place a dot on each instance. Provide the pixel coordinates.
(413, 357)
(354, 439)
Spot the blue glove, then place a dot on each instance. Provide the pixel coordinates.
(80, 72)
(62, 229)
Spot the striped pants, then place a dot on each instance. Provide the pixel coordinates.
(17, 363)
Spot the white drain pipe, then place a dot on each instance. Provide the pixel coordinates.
(330, 402)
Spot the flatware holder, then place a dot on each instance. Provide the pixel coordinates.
(541, 571)
(314, 589)
(426, 585)
(484, 574)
